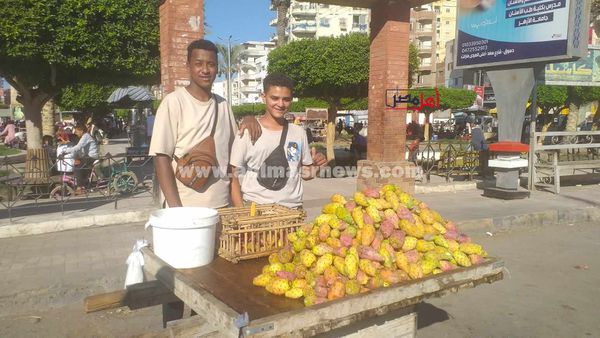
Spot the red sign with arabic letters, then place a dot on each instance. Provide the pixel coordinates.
(394, 99)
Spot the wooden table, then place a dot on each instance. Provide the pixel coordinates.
(222, 293)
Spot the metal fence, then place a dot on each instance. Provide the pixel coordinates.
(447, 159)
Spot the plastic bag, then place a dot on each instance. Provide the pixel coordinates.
(135, 262)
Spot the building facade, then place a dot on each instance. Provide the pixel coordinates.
(252, 69)
(310, 20)
(423, 27)
(445, 12)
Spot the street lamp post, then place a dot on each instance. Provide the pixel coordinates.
(228, 67)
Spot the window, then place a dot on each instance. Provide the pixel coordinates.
(447, 10)
(355, 21)
(343, 24)
(447, 22)
(324, 22)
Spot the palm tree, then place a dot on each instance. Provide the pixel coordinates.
(236, 64)
(282, 8)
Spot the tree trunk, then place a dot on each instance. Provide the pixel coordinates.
(37, 163)
(331, 115)
(281, 23)
(573, 117)
(48, 118)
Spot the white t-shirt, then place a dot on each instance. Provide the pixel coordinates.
(181, 122)
(244, 155)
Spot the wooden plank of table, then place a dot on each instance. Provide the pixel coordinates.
(136, 296)
(200, 300)
(338, 313)
(193, 327)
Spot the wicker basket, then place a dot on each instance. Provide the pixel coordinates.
(245, 237)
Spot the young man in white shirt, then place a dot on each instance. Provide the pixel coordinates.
(247, 158)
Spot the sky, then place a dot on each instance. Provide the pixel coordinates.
(244, 20)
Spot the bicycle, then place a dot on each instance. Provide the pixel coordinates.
(120, 180)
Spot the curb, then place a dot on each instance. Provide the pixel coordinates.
(540, 218)
(449, 187)
(63, 224)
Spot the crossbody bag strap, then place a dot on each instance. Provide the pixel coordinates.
(214, 128)
(283, 134)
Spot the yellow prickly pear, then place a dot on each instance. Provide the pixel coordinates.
(285, 256)
(337, 198)
(426, 216)
(294, 293)
(367, 267)
(309, 300)
(330, 208)
(341, 251)
(415, 271)
(323, 219)
(335, 233)
(461, 258)
(262, 279)
(351, 265)
(436, 271)
(471, 248)
(299, 245)
(409, 243)
(352, 287)
(274, 258)
(406, 200)
(373, 214)
(344, 215)
(289, 267)
(436, 216)
(443, 253)
(321, 249)
(388, 187)
(334, 222)
(392, 217)
(339, 264)
(333, 242)
(278, 286)
(292, 237)
(311, 241)
(273, 268)
(324, 231)
(424, 246)
(368, 235)
(375, 282)
(357, 216)
(427, 266)
(388, 261)
(300, 270)
(322, 263)
(375, 202)
(441, 241)
(330, 274)
(439, 227)
(307, 258)
(402, 261)
(360, 199)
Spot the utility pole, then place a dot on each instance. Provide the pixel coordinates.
(229, 70)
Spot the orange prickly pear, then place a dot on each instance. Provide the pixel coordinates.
(446, 266)
(362, 277)
(391, 276)
(450, 226)
(401, 261)
(344, 215)
(357, 216)
(415, 271)
(374, 282)
(333, 242)
(412, 256)
(341, 251)
(324, 231)
(330, 208)
(300, 271)
(368, 234)
(377, 240)
(330, 274)
(360, 199)
(453, 245)
(370, 192)
(338, 290)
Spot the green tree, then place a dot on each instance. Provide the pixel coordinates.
(47, 45)
(576, 97)
(595, 16)
(282, 7)
(328, 69)
(551, 98)
(413, 63)
(86, 97)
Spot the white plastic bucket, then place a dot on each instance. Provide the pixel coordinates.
(184, 237)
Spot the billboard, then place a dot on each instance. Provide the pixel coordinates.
(501, 32)
(583, 72)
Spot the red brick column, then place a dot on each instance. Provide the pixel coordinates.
(181, 22)
(390, 28)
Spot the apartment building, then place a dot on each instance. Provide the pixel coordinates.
(252, 69)
(310, 20)
(445, 12)
(423, 28)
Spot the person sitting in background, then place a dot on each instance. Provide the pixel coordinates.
(87, 152)
(359, 142)
(9, 131)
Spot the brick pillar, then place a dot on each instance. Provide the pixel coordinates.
(390, 27)
(181, 22)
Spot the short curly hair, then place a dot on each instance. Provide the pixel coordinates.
(278, 80)
(202, 44)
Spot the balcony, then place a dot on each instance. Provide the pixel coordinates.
(360, 27)
(425, 49)
(304, 28)
(424, 16)
(250, 89)
(273, 23)
(256, 51)
(304, 10)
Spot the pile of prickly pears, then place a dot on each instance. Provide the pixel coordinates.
(379, 238)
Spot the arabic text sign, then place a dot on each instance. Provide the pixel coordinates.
(394, 99)
(583, 72)
(496, 32)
